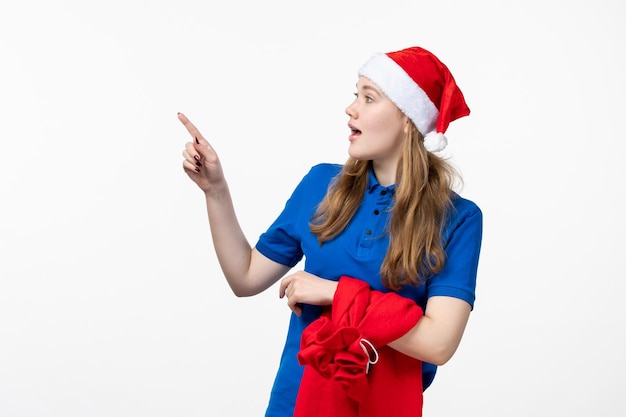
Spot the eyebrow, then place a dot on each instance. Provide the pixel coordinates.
(370, 88)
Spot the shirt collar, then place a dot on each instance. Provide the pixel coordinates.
(373, 184)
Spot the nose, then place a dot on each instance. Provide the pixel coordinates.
(351, 110)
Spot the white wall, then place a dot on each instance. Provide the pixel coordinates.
(111, 299)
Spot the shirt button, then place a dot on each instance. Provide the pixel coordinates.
(376, 212)
(383, 192)
(368, 232)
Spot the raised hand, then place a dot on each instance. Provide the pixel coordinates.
(201, 162)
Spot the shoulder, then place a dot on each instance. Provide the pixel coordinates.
(321, 174)
(464, 207)
(464, 215)
(324, 170)
(314, 184)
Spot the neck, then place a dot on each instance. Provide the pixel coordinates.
(385, 173)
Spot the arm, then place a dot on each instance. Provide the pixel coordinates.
(437, 334)
(246, 270)
(433, 339)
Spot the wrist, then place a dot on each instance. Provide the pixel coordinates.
(332, 289)
(216, 190)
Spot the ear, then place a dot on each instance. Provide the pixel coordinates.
(407, 125)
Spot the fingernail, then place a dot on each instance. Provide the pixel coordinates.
(197, 169)
(196, 157)
(198, 164)
(197, 141)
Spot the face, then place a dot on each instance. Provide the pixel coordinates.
(377, 126)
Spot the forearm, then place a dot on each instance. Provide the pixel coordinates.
(417, 344)
(437, 335)
(231, 246)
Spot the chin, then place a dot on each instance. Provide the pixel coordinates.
(358, 157)
(354, 154)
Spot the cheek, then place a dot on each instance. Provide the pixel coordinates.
(383, 123)
(391, 124)
(388, 120)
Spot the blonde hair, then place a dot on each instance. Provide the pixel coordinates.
(424, 183)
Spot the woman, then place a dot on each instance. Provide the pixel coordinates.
(387, 220)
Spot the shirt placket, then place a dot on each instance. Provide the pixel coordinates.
(374, 226)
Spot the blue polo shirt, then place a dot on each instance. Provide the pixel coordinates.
(358, 252)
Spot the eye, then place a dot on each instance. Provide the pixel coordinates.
(368, 99)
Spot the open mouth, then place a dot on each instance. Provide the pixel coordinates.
(354, 131)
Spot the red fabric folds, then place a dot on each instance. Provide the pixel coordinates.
(349, 370)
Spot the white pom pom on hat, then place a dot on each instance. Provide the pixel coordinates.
(435, 142)
(422, 87)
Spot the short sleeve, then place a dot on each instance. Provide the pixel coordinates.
(282, 240)
(462, 243)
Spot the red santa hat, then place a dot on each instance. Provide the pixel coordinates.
(422, 87)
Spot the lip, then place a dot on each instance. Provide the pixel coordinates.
(355, 133)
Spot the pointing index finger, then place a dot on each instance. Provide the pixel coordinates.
(191, 128)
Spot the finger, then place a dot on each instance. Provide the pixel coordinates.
(200, 146)
(193, 160)
(198, 139)
(191, 154)
(191, 128)
(295, 307)
(282, 289)
(190, 168)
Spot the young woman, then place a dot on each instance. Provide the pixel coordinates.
(391, 251)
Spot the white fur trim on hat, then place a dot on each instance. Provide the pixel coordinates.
(396, 84)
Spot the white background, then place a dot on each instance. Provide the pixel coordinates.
(111, 299)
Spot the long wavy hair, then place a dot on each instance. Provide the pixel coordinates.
(424, 184)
